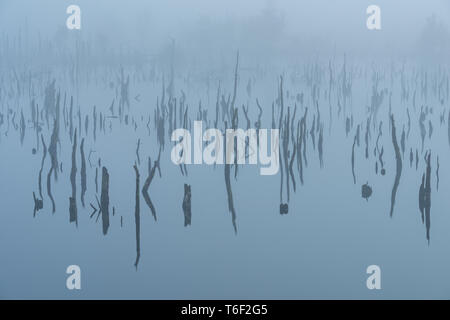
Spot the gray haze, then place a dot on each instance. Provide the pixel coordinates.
(86, 176)
(265, 29)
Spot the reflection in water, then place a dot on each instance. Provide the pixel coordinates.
(366, 191)
(422, 198)
(187, 205)
(151, 174)
(229, 193)
(353, 161)
(49, 189)
(411, 158)
(137, 219)
(104, 200)
(38, 204)
(22, 127)
(398, 170)
(427, 195)
(437, 173)
(73, 173)
(83, 173)
(44, 155)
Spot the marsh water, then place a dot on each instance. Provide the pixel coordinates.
(320, 248)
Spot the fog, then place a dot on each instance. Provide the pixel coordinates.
(361, 121)
(264, 30)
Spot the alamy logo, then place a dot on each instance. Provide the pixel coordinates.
(374, 20)
(74, 280)
(74, 20)
(239, 145)
(374, 280)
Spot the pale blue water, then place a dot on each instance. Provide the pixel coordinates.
(321, 249)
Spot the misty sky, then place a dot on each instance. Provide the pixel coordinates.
(203, 25)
